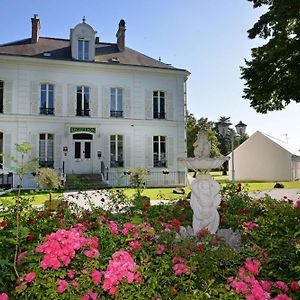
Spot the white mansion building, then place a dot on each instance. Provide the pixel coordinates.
(91, 107)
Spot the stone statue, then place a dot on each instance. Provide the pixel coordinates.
(205, 197)
(205, 200)
(202, 145)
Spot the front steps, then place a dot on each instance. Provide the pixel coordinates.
(84, 182)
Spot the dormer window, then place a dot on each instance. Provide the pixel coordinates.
(83, 38)
(83, 49)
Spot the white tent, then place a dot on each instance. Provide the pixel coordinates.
(264, 158)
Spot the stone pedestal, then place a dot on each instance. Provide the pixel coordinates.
(205, 200)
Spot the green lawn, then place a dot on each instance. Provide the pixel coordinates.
(39, 197)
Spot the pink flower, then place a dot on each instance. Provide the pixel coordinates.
(282, 297)
(178, 259)
(19, 259)
(29, 277)
(60, 247)
(181, 269)
(135, 245)
(294, 286)
(71, 274)
(120, 267)
(252, 266)
(3, 296)
(96, 276)
(75, 283)
(62, 285)
(160, 249)
(281, 285)
(266, 285)
(249, 226)
(127, 227)
(113, 226)
(258, 293)
(240, 287)
(297, 204)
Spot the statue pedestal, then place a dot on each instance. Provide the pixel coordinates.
(205, 200)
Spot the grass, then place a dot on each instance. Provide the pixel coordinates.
(39, 197)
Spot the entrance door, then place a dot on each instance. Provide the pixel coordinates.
(82, 153)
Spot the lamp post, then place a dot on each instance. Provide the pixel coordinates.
(223, 128)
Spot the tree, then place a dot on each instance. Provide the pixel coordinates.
(273, 75)
(225, 142)
(193, 127)
(48, 178)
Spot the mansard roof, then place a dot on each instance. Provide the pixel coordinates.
(60, 49)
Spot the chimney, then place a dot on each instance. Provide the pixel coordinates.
(121, 35)
(36, 25)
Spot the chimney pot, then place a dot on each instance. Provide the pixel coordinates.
(36, 26)
(121, 35)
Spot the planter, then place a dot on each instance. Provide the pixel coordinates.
(53, 204)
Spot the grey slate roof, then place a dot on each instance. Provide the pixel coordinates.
(60, 49)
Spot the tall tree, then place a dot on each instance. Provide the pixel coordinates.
(273, 75)
(193, 127)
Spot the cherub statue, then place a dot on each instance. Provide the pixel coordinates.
(202, 145)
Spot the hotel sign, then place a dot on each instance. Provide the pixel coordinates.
(83, 129)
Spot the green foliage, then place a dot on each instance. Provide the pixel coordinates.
(275, 241)
(137, 177)
(273, 75)
(48, 178)
(193, 127)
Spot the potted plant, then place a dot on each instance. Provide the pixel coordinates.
(48, 178)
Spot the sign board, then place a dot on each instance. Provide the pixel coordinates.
(83, 129)
(65, 149)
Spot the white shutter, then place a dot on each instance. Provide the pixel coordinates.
(127, 103)
(170, 152)
(105, 150)
(8, 86)
(169, 106)
(94, 101)
(106, 102)
(148, 104)
(127, 151)
(71, 100)
(58, 100)
(34, 98)
(7, 149)
(58, 152)
(148, 151)
(34, 141)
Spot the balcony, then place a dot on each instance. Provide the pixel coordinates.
(117, 163)
(46, 111)
(159, 115)
(116, 113)
(46, 164)
(83, 112)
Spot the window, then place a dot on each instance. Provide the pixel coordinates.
(1, 150)
(83, 99)
(46, 145)
(83, 49)
(116, 102)
(159, 111)
(116, 151)
(159, 151)
(1, 96)
(47, 99)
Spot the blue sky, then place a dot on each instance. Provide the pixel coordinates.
(208, 38)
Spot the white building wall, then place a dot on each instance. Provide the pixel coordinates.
(22, 122)
(259, 158)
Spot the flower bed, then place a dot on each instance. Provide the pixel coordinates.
(139, 254)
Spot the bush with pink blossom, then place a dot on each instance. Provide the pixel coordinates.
(78, 254)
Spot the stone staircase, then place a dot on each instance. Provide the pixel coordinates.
(84, 182)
